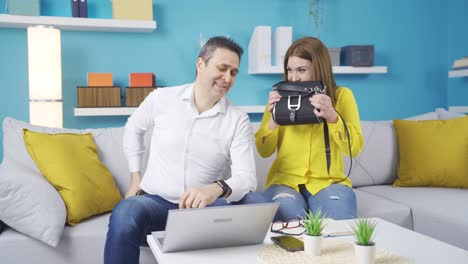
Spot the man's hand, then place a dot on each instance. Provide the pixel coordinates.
(200, 197)
(134, 185)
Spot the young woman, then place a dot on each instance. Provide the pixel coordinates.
(299, 179)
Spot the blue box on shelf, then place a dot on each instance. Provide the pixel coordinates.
(24, 7)
(357, 56)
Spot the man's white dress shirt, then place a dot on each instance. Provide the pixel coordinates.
(189, 149)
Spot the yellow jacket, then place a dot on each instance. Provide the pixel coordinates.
(301, 149)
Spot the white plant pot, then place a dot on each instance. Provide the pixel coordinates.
(364, 254)
(312, 245)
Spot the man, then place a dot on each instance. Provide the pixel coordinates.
(197, 134)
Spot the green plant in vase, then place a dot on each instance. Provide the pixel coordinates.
(365, 246)
(364, 231)
(314, 224)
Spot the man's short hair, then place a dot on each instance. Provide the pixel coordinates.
(206, 53)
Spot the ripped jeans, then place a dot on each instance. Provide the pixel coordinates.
(337, 201)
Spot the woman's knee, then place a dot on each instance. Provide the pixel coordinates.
(254, 198)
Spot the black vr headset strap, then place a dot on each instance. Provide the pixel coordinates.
(327, 147)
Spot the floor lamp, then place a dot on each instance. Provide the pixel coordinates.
(45, 76)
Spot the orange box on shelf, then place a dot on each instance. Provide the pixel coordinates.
(135, 95)
(142, 80)
(100, 79)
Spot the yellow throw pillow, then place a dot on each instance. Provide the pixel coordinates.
(432, 153)
(71, 164)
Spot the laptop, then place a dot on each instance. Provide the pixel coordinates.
(215, 227)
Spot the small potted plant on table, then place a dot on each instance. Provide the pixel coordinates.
(314, 224)
(364, 246)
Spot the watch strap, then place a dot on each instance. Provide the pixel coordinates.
(226, 189)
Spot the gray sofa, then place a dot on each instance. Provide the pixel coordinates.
(423, 210)
(440, 213)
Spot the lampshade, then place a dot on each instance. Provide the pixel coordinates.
(45, 76)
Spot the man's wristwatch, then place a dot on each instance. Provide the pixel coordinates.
(226, 189)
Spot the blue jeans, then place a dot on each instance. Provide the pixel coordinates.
(337, 201)
(134, 218)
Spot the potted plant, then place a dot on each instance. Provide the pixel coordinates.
(364, 246)
(314, 224)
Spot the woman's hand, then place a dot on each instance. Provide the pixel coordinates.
(272, 100)
(324, 108)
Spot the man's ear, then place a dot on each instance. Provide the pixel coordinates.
(200, 64)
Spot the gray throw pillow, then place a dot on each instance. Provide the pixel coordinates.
(28, 203)
(2, 226)
(377, 163)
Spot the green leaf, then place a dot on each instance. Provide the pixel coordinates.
(314, 223)
(364, 231)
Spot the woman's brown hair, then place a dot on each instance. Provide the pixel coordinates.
(312, 49)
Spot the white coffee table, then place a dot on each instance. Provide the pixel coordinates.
(415, 247)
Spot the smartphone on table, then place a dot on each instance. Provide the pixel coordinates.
(288, 243)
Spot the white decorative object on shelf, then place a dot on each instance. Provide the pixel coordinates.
(126, 111)
(458, 73)
(459, 109)
(283, 39)
(260, 50)
(78, 24)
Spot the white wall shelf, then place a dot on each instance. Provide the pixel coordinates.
(458, 73)
(336, 70)
(126, 111)
(260, 59)
(77, 24)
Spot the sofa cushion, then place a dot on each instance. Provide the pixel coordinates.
(370, 205)
(80, 244)
(71, 164)
(444, 114)
(433, 153)
(377, 162)
(440, 213)
(28, 203)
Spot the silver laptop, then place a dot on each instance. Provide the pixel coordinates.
(214, 227)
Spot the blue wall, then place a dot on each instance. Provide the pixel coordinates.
(457, 27)
(410, 37)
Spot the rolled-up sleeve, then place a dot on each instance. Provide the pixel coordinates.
(266, 140)
(137, 125)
